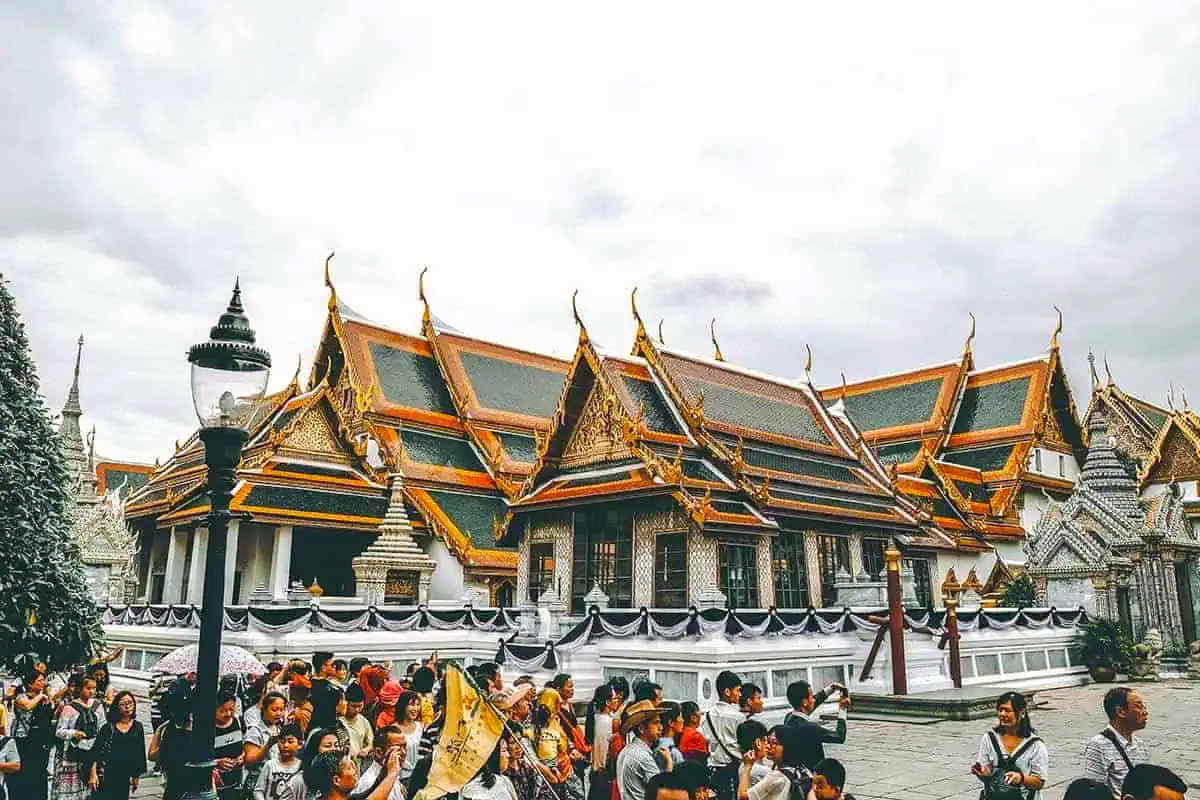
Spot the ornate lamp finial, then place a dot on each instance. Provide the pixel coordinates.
(1057, 329)
(329, 283)
(712, 331)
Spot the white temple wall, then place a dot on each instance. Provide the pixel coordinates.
(1033, 505)
(447, 583)
(1071, 592)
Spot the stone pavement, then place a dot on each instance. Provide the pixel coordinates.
(899, 761)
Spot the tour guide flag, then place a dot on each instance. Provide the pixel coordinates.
(472, 731)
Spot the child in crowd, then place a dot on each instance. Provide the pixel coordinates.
(277, 772)
(692, 743)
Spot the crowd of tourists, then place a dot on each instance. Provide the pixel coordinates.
(337, 729)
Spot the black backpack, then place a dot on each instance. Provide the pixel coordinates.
(799, 782)
(994, 785)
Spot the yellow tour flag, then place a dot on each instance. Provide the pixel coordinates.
(472, 731)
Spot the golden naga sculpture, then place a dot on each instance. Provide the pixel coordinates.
(763, 493)
(739, 462)
(329, 283)
(712, 330)
(695, 412)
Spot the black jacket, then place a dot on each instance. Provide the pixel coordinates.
(813, 735)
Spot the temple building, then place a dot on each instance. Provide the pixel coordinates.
(669, 480)
(383, 479)
(981, 450)
(1130, 559)
(98, 488)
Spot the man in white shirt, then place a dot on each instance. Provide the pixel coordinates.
(374, 773)
(1111, 753)
(720, 727)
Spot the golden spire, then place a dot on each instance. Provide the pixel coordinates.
(583, 334)
(329, 283)
(641, 326)
(970, 336)
(426, 317)
(1183, 396)
(660, 336)
(1107, 371)
(295, 381)
(843, 387)
(808, 364)
(712, 330)
(1171, 396)
(1057, 329)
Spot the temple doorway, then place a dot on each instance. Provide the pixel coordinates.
(1187, 602)
(324, 555)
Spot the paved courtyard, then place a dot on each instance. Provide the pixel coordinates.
(899, 761)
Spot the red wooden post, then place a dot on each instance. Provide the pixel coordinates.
(952, 633)
(896, 621)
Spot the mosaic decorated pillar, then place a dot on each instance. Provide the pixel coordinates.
(812, 570)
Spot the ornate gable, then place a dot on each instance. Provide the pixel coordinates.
(597, 435)
(1176, 457)
(313, 433)
(1065, 557)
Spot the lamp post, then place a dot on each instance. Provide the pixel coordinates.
(229, 377)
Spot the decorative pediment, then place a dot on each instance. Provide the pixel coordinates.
(313, 433)
(1178, 458)
(1065, 557)
(598, 434)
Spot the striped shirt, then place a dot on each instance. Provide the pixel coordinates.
(1102, 762)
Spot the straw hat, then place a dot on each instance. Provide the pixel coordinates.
(638, 713)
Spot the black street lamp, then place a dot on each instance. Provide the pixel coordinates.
(229, 377)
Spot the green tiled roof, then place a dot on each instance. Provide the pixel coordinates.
(943, 509)
(975, 491)
(472, 514)
(985, 459)
(1153, 416)
(735, 407)
(317, 502)
(513, 387)
(770, 459)
(281, 421)
(518, 447)
(410, 380)
(898, 405)
(657, 416)
(898, 453)
(996, 405)
(697, 470)
(825, 500)
(441, 451)
(730, 507)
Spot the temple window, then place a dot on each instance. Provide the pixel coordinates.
(788, 566)
(603, 556)
(919, 567)
(834, 553)
(873, 561)
(1062, 466)
(1037, 459)
(738, 565)
(505, 594)
(541, 569)
(670, 570)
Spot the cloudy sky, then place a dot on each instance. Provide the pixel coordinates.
(854, 176)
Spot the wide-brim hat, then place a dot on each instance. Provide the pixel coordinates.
(638, 713)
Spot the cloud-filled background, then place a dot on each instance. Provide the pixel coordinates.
(857, 178)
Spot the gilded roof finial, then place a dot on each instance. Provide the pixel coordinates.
(970, 336)
(426, 317)
(1107, 371)
(1183, 396)
(808, 364)
(296, 375)
(660, 336)
(1092, 367)
(712, 330)
(1057, 329)
(583, 334)
(1171, 396)
(329, 283)
(843, 387)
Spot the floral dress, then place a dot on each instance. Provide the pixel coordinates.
(71, 770)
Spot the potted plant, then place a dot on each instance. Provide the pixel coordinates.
(1104, 647)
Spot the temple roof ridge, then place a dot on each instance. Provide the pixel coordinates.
(896, 374)
(1044, 357)
(799, 384)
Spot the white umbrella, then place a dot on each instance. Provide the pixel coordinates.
(234, 661)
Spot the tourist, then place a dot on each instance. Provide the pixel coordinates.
(276, 772)
(1110, 754)
(357, 725)
(10, 756)
(372, 679)
(334, 777)
(341, 673)
(1152, 782)
(120, 752)
(300, 706)
(647, 690)
(408, 718)
(620, 686)
(667, 786)
(33, 732)
(374, 769)
(752, 744)
(636, 765)
(1010, 753)
(524, 768)
(490, 783)
(324, 695)
(432, 733)
(692, 743)
(105, 693)
(813, 735)
(581, 749)
(781, 746)
(78, 726)
(262, 737)
(694, 777)
(255, 694)
(323, 741)
(720, 726)
(752, 700)
(598, 729)
(1087, 789)
(423, 681)
(169, 745)
(551, 747)
(385, 708)
(829, 780)
(229, 740)
(668, 752)
(490, 679)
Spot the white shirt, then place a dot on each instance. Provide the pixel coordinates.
(720, 727)
(370, 774)
(502, 789)
(1034, 761)
(775, 786)
(1102, 761)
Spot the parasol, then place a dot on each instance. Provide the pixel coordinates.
(234, 661)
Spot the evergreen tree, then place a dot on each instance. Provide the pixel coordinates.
(46, 611)
(1020, 593)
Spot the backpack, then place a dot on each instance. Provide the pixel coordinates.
(994, 785)
(799, 782)
(89, 724)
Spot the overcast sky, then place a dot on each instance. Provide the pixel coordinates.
(853, 176)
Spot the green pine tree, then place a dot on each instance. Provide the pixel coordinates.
(1020, 593)
(46, 611)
